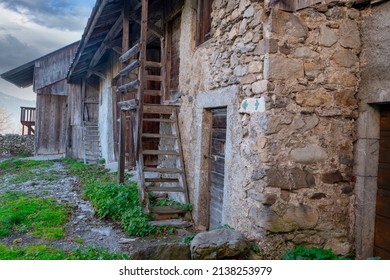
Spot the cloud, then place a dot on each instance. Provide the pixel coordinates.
(14, 52)
(59, 14)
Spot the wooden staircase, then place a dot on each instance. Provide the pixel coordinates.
(159, 162)
(91, 141)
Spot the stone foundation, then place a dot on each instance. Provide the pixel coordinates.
(13, 144)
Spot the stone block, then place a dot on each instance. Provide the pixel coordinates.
(332, 177)
(368, 124)
(349, 34)
(305, 52)
(219, 244)
(345, 58)
(295, 218)
(327, 36)
(278, 67)
(287, 24)
(266, 46)
(260, 87)
(366, 157)
(309, 154)
(338, 76)
(276, 179)
(302, 178)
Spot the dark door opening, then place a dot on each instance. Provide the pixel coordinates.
(217, 166)
(382, 217)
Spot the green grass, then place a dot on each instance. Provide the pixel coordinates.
(41, 217)
(313, 253)
(43, 252)
(119, 202)
(26, 170)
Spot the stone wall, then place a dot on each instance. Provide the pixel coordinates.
(13, 144)
(291, 125)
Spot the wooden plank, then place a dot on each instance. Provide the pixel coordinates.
(159, 109)
(155, 78)
(163, 170)
(151, 92)
(161, 180)
(383, 203)
(165, 189)
(130, 53)
(167, 210)
(160, 152)
(127, 87)
(158, 120)
(383, 254)
(384, 176)
(382, 232)
(152, 135)
(129, 68)
(153, 64)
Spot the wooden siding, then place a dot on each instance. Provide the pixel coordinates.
(51, 124)
(53, 68)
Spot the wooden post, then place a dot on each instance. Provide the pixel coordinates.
(122, 123)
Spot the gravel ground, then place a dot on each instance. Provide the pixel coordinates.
(83, 227)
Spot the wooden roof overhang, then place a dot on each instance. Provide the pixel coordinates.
(104, 32)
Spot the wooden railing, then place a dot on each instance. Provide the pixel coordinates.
(27, 119)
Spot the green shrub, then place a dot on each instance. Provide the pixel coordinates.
(313, 253)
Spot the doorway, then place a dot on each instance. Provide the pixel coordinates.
(217, 166)
(382, 214)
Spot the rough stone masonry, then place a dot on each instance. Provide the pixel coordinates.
(292, 159)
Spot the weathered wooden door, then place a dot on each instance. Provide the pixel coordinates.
(382, 219)
(217, 166)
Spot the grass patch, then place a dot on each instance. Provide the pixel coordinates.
(313, 253)
(119, 202)
(42, 217)
(25, 170)
(43, 252)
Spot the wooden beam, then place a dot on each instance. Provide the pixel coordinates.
(99, 10)
(114, 31)
(129, 68)
(129, 105)
(154, 29)
(130, 53)
(127, 87)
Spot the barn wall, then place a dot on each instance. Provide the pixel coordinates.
(75, 122)
(53, 68)
(51, 123)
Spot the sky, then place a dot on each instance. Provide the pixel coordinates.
(30, 29)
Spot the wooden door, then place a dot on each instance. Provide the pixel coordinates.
(382, 218)
(91, 100)
(217, 166)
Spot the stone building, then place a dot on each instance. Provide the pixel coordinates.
(282, 112)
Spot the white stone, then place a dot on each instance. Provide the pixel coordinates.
(327, 37)
(309, 154)
(249, 12)
(252, 105)
(260, 87)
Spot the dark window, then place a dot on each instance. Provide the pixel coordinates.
(204, 21)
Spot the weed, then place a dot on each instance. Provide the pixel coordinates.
(42, 217)
(314, 253)
(94, 253)
(187, 239)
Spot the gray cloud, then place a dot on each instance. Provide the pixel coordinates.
(14, 53)
(59, 14)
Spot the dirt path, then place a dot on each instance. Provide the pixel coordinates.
(83, 228)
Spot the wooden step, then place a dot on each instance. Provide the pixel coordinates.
(168, 210)
(152, 92)
(153, 64)
(156, 78)
(163, 170)
(170, 223)
(160, 153)
(161, 180)
(152, 135)
(158, 120)
(165, 189)
(130, 53)
(159, 109)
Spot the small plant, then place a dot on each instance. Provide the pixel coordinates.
(313, 253)
(187, 239)
(94, 253)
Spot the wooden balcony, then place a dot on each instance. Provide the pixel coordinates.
(27, 119)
